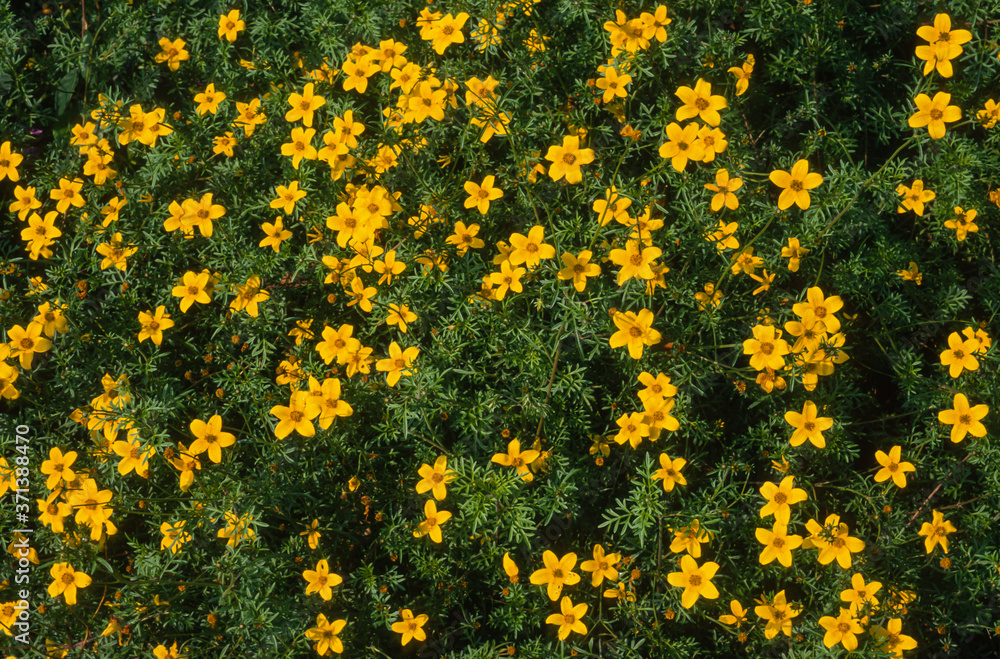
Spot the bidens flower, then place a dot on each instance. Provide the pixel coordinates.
(696, 581)
(569, 618)
(892, 467)
(964, 419)
(635, 331)
(567, 159)
(796, 185)
(933, 113)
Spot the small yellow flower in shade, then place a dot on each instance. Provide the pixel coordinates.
(569, 618)
(724, 187)
(193, 288)
(174, 536)
(833, 541)
(58, 467)
(963, 223)
(304, 105)
(778, 615)
(934, 113)
(765, 280)
(613, 84)
(53, 512)
(480, 196)
(133, 455)
(689, 539)
(657, 386)
(208, 100)
(964, 419)
(777, 544)
(860, 594)
(65, 581)
(709, 297)
(464, 238)
(210, 437)
(325, 634)
(696, 581)
(822, 307)
(914, 197)
(578, 268)
(766, 349)
(388, 267)
(633, 429)
(634, 331)
(162, 652)
(433, 479)
(398, 363)
(230, 25)
(409, 626)
(670, 472)
(944, 45)
(742, 74)
(795, 185)
(794, 253)
(312, 534)
(297, 415)
(400, 315)
(249, 116)
(173, 53)
(682, 145)
(912, 273)
(321, 580)
(738, 617)
(224, 144)
(602, 566)
(9, 162)
(891, 639)
(518, 459)
(556, 573)
(936, 532)
(654, 25)
(842, 629)
(989, 116)
(724, 236)
(567, 159)
(808, 426)
(510, 567)
(780, 498)
(276, 233)
(431, 525)
(699, 102)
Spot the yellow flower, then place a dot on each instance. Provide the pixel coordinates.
(912, 273)
(689, 538)
(304, 105)
(9, 162)
(133, 456)
(518, 459)
(321, 580)
(808, 426)
(445, 31)
(434, 479)
(742, 74)
(578, 268)
(567, 159)
(237, 529)
(300, 146)
(635, 331)
(780, 498)
(738, 617)
(287, 197)
(960, 355)
(914, 197)
(945, 45)
(249, 116)
(65, 581)
(654, 25)
(193, 288)
(842, 629)
(633, 429)
(569, 618)
(432, 523)
(964, 419)
(115, 253)
(635, 261)
(696, 581)
(778, 615)
(556, 573)
(823, 308)
(398, 363)
(777, 544)
(173, 53)
(860, 594)
(276, 233)
(26, 341)
(989, 116)
(833, 541)
(480, 196)
(208, 100)
(58, 467)
(670, 472)
(210, 437)
(602, 566)
(186, 464)
(682, 145)
(174, 536)
(699, 102)
(766, 348)
(891, 639)
(224, 144)
(297, 416)
(962, 223)
(67, 193)
(312, 534)
(933, 113)
(325, 634)
(410, 627)
(465, 237)
(613, 84)
(795, 185)
(724, 188)
(230, 25)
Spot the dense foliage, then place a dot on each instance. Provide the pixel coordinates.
(491, 328)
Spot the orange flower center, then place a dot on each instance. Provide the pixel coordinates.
(936, 114)
(780, 498)
(569, 158)
(694, 580)
(965, 420)
(193, 290)
(843, 628)
(767, 348)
